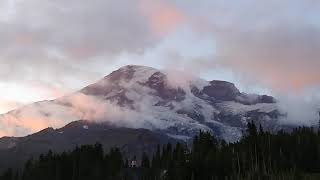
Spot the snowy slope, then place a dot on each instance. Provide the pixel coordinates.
(142, 97)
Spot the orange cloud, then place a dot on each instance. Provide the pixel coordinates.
(284, 58)
(283, 76)
(163, 17)
(29, 121)
(6, 106)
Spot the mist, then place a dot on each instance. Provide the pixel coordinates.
(300, 111)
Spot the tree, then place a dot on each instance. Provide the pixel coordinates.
(145, 163)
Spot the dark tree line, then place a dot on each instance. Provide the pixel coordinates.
(259, 155)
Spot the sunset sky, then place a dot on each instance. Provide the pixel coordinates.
(50, 48)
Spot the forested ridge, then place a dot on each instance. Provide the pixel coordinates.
(259, 155)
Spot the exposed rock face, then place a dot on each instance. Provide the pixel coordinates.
(158, 82)
(266, 99)
(144, 97)
(251, 99)
(221, 90)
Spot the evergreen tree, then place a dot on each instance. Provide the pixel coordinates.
(258, 155)
(145, 163)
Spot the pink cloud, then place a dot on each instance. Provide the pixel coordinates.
(6, 105)
(283, 57)
(282, 77)
(48, 90)
(163, 17)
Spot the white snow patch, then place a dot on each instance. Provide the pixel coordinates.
(238, 108)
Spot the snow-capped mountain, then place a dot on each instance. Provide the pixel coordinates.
(173, 103)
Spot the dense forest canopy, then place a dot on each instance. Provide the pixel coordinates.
(259, 155)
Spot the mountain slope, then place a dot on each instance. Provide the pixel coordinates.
(15, 151)
(175, 104)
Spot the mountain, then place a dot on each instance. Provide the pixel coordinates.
(15, 151)
(172, 103)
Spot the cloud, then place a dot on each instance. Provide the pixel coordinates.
(273, 44)
(61, 46)
(95, 27)
(64, 37)
(57, 42)
(163, 17)
(35, 117)
(283, 57)
(300, 110)
(6, 105)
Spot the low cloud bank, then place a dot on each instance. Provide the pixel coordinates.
(299, 110)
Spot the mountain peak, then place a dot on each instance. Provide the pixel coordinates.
(131, 73)
(170, 102)
(119, 79)
(137, 68)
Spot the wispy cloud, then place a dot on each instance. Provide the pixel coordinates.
(61, 46)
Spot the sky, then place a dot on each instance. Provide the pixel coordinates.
(51, 48)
